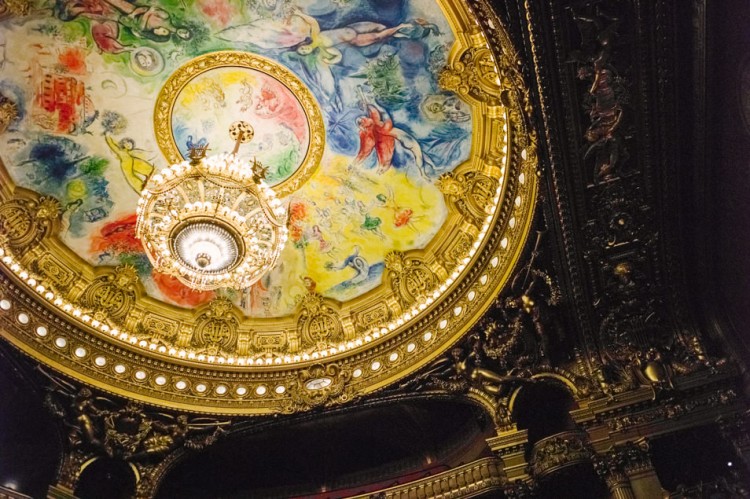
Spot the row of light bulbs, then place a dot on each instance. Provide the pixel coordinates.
(374, 334)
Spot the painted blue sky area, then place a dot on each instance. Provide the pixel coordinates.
(363, 55)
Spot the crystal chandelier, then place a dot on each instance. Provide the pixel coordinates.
(212, 222)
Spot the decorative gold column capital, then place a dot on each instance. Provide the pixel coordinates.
(611, 468)
(628, 471)
(510, 446)
(635, 457)
(560, 450)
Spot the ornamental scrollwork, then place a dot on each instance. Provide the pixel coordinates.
(470, 193)
(112, 296)
(559, 451)
(506, 347)
(128, 433)
(319, 385)
(621, 218)
(99, 426)
(627, 365)
(522, 325)
(674, 410)
(371, 316)
(456, 250)
(318, 323)
(24, 222)
(474, 74)
(59, 274)
(216, 328)
(269, 341)
(465, 370)
(410, 278)
(158, 329)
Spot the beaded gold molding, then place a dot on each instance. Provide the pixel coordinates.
(97, 325)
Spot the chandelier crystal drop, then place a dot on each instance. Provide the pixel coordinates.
(212, 222)
(206, 247)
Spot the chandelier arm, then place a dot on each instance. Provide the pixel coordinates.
(271, 215)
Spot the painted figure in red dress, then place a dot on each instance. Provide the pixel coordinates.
(280, 105)
(377, 132)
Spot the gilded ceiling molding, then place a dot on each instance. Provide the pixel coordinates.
(25, 220)
(253, 63)
(675, 411)
(630, 319)
(215, 358)
(111, 296)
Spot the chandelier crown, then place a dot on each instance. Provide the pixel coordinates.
(197, 153)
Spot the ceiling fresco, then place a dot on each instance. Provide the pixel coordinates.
(347, 99)
(393, 131)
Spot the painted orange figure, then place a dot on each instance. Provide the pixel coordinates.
(374, 133)
(377, 132)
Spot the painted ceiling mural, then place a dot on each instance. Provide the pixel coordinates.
(409, 205)
(86, 75)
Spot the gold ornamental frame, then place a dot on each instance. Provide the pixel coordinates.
(203, 64)
(97, 325)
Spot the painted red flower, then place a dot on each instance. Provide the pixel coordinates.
(180, 294)
(220, 10)
(117, 237)
(297, 211)
(402, 217)
(73, 60)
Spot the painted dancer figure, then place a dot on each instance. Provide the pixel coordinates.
(378, 133)
(356, 262)
(135, 168)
